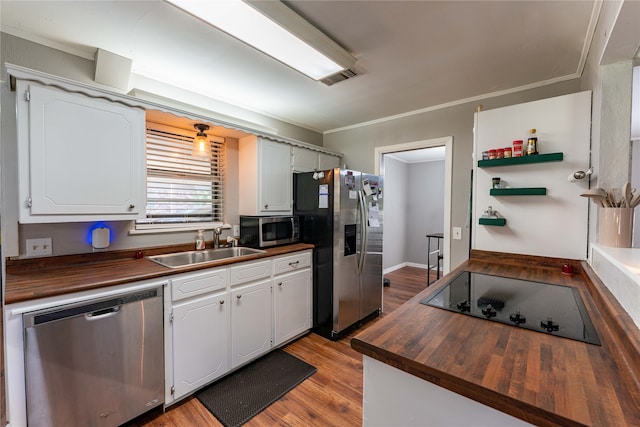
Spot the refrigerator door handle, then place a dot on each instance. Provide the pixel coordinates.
(364, 237)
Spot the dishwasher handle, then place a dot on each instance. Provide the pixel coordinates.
(91, 310)
(102, 314)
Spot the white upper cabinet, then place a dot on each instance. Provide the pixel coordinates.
(328, 161)
(79, 158)
(307, 160)
(304, 160)
(266, 183)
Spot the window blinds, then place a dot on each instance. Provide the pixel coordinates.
(182, 188)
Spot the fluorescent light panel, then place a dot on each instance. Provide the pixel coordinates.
(246, 23)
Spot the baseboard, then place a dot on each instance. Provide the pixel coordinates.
(404, 264)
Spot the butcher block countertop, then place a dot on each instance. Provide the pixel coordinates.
(543, 379)
(29, 279)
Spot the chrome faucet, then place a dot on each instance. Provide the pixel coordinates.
(216, 237)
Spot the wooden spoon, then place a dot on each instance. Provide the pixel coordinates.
(635, 201)
(598, 195)
(626, 195)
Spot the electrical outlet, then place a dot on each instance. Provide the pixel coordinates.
(39, 247)
(236, 231)
(457, 233)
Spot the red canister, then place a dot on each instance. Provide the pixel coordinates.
(500, 153)
(517, 148)
(492, 154)
(507, 152)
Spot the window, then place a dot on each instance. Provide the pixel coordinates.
(182, 191)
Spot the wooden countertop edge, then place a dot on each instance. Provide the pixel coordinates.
(478, 393)
(617, 321)
(23, 284)
(625, 338)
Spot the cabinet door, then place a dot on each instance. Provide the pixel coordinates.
(327, 161)
(275, 179)
(292, 306)
(251, 315)
(305, 160)
(81, 156)
(200, 342)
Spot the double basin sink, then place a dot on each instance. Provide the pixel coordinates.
(183, 259)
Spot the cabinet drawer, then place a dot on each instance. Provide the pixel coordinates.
(188, 285)
(291, 263)
(249, 272)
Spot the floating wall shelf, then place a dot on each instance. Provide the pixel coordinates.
(500, 222)
(535, 158)
(532, 191)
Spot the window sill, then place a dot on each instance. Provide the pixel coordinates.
(163, 229)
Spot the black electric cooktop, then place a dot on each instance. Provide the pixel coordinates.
(542, 307)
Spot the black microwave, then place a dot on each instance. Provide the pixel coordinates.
(266, 231)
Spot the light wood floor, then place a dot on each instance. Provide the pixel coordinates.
(330, 397)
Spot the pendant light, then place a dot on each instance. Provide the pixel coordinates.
(201, 144)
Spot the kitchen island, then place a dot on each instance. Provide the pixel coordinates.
(451, 362)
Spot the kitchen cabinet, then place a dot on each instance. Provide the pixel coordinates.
(292, 296)
(308, 160)
(328, 161)
(200, 342)
(197, 331)
(292, 305)
(266, 184)
(305, 160)
(80, 158)
(271, 303)
(251, 322)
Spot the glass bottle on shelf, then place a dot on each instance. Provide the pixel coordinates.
(532, 143)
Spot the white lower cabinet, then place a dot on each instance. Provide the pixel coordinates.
(200, 342)
(251, 319)
(292, 305)
(221, 318)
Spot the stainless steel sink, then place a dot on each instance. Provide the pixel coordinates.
(182, 259)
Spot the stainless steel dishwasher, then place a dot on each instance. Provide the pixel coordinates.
(97, 363)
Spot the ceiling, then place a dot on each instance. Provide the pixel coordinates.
(412, 55)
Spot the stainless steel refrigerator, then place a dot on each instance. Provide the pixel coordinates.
(341, 213)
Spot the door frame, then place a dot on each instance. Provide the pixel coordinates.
(447, 142)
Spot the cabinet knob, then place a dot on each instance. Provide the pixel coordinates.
(266, 206)
(238, 296)
(221, 301)
(279, 283)
(132, 206)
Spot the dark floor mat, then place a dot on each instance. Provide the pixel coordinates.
(237, 398)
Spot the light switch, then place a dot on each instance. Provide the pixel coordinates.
(457, 233)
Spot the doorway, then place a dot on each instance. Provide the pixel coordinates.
(396, 232)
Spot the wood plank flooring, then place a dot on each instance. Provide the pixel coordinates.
(330, 397)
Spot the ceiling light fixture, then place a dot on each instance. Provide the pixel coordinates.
(274, 29)
(201, 144)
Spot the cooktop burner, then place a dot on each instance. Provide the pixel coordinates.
(543, 307)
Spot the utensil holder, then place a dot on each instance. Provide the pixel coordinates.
(615, 227)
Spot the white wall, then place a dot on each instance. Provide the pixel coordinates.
(425, 214)
(395, 207)
(555, 224)
(414, 207)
